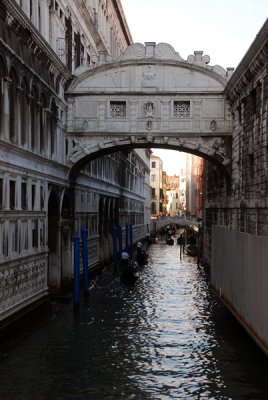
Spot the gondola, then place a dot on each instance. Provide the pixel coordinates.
(130, 269)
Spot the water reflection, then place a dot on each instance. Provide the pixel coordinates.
(166, 337)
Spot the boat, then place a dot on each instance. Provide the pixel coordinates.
(191, 250)
(130, 269)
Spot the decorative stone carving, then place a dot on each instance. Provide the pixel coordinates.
(135, 50)
(198, 58)
(165, 139)
(166, 51)
(149, 73)
(149, 125)
(213, 125)
(85, 125)
(149, 109)
(149, 138)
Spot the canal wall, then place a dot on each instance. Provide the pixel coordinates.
(239, 275)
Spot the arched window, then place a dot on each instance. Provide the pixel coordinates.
(13, 107)
(24, 114)
(53, 128)
(42, 124)
(34, 118)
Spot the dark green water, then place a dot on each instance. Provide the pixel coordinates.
(166, 337)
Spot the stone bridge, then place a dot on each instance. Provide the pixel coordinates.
(149, 97)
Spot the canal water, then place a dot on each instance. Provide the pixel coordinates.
(165, 337)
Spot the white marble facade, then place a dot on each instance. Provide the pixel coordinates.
(42, 43)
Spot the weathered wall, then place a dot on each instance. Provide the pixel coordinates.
(236, 220)
(240, 275)
(243, 206)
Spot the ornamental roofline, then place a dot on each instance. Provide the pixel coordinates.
(149, 54)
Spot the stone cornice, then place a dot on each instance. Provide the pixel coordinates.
(37, 41)
(252, 63)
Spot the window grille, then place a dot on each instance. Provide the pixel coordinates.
(118, 109)
(181, 109)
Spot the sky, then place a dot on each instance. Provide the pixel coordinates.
(224, 30)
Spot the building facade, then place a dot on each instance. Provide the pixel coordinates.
(43, 45)
(173, 195)
(236, 210)
(156, 179)
(194, 187)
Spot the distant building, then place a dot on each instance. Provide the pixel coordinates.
(182, 191)
(156, 179)
(173, 195)
(194, 185)
(164, 197)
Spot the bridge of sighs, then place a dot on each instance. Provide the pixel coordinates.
(149, 97)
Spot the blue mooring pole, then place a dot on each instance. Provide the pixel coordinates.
(127, 238)
(84, 233)
(76, 269)
(115, 247)
(131, 241)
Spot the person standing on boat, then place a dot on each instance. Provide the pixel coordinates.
(180, 240)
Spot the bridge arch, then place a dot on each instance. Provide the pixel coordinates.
(149, 98)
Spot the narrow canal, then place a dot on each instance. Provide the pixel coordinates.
(166, 337)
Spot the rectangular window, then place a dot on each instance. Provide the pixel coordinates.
(33, 196)
(42, 197)
(153, 178)
(24, 196)
(118, 109)
(153, 192)
(35, 234)
(182, 109)
(153, 164)
(12, 195)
